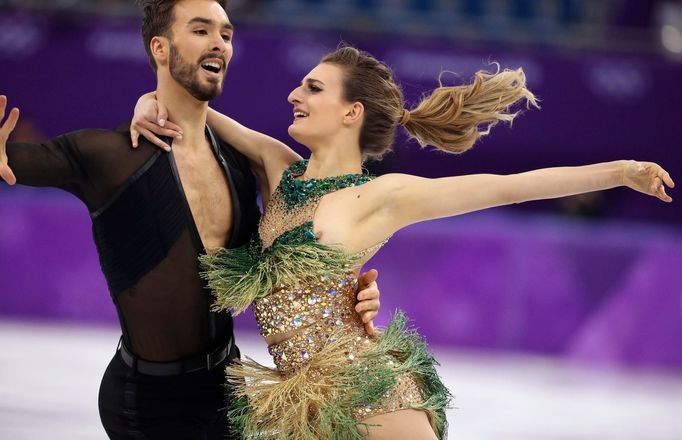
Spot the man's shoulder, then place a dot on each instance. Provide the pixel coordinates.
(106, 143)
(95, 134)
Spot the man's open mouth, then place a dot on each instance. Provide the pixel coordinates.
(212, 67)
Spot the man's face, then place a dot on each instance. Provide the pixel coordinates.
(200, 48)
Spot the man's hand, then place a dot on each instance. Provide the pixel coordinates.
(368, 299)
(151, 119)
(5, 171)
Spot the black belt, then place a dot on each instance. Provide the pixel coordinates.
(201, 362)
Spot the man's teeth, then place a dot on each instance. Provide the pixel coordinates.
(212, 66)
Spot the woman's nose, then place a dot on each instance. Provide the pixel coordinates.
(294, 96)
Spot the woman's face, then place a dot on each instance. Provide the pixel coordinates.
(319, 107)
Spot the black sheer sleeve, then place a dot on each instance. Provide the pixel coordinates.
(90, 164)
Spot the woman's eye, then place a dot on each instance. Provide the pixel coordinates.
(314, 89)
(200, 32)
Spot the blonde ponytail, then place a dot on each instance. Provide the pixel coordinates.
(452, 119)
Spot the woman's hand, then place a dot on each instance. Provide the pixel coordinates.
(648, 178)
(151, 119)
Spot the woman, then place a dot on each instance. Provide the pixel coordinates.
(324, 219)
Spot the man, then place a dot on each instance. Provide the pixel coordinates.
(153, 214)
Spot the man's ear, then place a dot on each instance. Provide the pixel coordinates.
(354, 113)
(160, 48)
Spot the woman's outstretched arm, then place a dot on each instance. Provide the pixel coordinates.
(410, 199)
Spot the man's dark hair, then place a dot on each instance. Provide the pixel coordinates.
(157, 21)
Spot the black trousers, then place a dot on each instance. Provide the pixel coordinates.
(188, 406)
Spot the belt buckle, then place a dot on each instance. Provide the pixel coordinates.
(218, 355)
(209, 361)
(213, 359)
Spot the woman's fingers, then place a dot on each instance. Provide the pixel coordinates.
(151, 137)
(160, 131)
(661, 194)
(655, 185)
(173, 127)
(666, 178)
(151, 131)
(134, 136)
(162, 114)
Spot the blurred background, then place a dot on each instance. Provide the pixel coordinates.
(553, 320)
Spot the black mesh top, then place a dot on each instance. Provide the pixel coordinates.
(145, 234)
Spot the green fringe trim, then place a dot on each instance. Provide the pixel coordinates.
(356, 385)
(242, 275)
(368, 380)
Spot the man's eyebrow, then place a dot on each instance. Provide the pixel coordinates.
(208, 21)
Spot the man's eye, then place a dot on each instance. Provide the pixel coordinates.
(227, 37)
(200, 32)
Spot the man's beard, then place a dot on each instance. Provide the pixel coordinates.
(186, 75)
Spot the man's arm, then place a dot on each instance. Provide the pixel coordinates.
(86, 163)
(56, 163)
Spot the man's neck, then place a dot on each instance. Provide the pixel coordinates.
(184, 110)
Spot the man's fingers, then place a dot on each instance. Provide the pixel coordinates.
(369, 328)
(6, 174)
(3, 106)
(368, 277)
(367, 305)
(9, 125)
(371, 292)
(11, 121)
(368, 316)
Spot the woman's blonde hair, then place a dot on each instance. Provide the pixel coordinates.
(451, 119)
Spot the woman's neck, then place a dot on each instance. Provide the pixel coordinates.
(334, 160)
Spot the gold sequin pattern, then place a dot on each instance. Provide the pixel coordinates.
(290, 355)
(322, 312)
(406, 394)
(328, 302)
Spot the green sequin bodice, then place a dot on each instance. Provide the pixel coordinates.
(288, 218)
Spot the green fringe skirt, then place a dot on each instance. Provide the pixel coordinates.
(323, 399)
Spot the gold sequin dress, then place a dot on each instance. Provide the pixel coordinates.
(330, 375)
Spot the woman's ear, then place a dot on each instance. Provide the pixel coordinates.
(354, 113)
